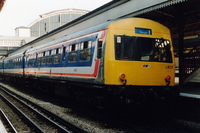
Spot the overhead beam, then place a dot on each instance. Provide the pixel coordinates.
(3, 52)
(113, 10)
(166, 14)
(181, 22)
(8, 48)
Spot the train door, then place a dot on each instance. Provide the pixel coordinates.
(99, 58)
(24, 61)
(99, 48)
(36, 63)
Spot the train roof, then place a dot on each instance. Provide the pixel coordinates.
(14, 55)
(77, 34)
(67, 37)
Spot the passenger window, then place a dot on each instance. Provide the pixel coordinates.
(57, 59)
(36, 56)
(47, 53)
(15, 62)
(18, 63)
(31, 60)
(57, 56)
(57, 51)
(39, 58)
(49, 58)
(72, 56)
(99, 48)
(85, 51)
(43, 58)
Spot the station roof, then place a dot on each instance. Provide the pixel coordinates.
(58, 12)
(2, 4)
(187, 11)
(167, 12)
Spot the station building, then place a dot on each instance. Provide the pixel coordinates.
(43, 25)
(50, 21)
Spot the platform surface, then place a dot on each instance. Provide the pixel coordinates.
(190, 91)
(2, 128)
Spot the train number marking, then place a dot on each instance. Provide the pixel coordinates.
(169, 67)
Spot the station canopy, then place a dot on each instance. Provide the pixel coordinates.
(174, 12)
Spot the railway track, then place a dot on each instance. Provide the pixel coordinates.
(160, 120)
(37, 118)
(5, 121)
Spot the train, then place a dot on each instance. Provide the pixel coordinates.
(130, 60)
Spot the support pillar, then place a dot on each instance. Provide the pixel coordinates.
(181, 47)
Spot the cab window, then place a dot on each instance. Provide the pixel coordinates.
(142, 49)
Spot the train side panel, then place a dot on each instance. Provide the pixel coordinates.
(14, 65)
(74, 60)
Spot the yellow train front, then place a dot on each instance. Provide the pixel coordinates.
(139, 60)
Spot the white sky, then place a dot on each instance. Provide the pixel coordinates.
(16, 13)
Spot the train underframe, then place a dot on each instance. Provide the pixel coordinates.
(101, 96)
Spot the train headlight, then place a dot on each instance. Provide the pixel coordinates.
(122, 76)
(167, 79)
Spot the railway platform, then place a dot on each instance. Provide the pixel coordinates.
(2, 128)
(190, 91)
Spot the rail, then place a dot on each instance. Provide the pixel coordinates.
(7, 122)
(66, 126)
(25, 117)
(54, 116)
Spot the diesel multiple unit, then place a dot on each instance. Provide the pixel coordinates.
(131, 59)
